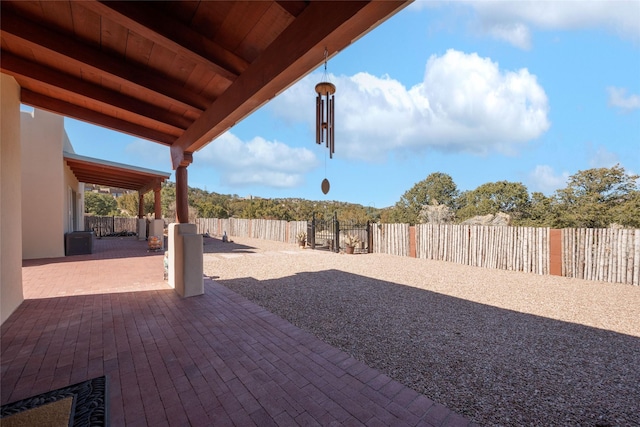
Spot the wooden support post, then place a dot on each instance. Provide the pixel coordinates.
(555, 252)
(140, 205)
(157, 205)
(182, 201)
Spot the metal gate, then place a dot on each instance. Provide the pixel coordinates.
(358, 230)
(330, 234)
(323, 233)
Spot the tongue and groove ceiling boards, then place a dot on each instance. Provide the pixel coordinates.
(179, 73)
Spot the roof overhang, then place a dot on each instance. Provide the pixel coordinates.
(179, 73)
(111, 174)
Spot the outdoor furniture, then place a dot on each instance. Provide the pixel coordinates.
(78, 243)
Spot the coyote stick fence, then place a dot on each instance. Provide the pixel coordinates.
(610, 255)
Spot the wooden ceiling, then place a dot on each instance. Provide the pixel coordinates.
(179, 73)
(115, 175)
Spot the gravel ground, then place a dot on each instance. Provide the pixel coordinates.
(502, 348)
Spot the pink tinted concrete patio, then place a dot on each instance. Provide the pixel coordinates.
(216, 359)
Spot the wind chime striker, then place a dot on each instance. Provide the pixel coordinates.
(325, 116)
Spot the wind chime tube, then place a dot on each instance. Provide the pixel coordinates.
(325, 115)
(323, 124)
(318, 118)
(327, 123)
(331, 130)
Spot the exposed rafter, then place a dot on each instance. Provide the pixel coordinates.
(74, 111)
(111, 174)
(293, 7)
(65, 48)
(36, 74)
(177, 73)
(151, 186)
(298, 49)
(164, 30)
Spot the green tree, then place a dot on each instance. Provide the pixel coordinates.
(387, 215)
(236, 207)
(168, 198)
(502, 196)
(256, 207)
(100, 204)
(149, 203)
(354, 213)
(304, 210)
(192, 212)
(627, 212)
(596, 198)
(128, 204)
(437, 187)
(540, 212)
(207, 209)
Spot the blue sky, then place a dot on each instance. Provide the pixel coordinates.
(484, 91)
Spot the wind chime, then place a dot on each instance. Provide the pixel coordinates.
(325, 116)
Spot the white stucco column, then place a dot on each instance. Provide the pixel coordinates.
(142, 229)
(185, 260)
(11, 295)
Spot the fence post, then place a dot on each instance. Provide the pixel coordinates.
(311, 235)
(337, 232)
(412, 241)
(555, 252)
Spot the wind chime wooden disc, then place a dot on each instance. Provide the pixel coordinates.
(325, 186)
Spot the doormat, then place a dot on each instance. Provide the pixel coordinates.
(82, 404)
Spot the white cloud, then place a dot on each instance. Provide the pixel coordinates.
(601, 157)
(618, 98)
(545, 180)
(512, 21)
(148, 154)
(267, 163)
(515, 33)
(465, 103)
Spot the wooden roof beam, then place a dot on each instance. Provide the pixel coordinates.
(48, 77)
(34, 99)
(150, 23)
(88, 169)
(112, 179)
(100, 175)
(296, 41)
(293, 8)
(109, 182)
(151, 185)
(13, 26)
(102, 172)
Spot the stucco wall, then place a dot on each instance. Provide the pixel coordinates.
(44, 185)
(66, 144)
(70, 181)
(11, 295)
